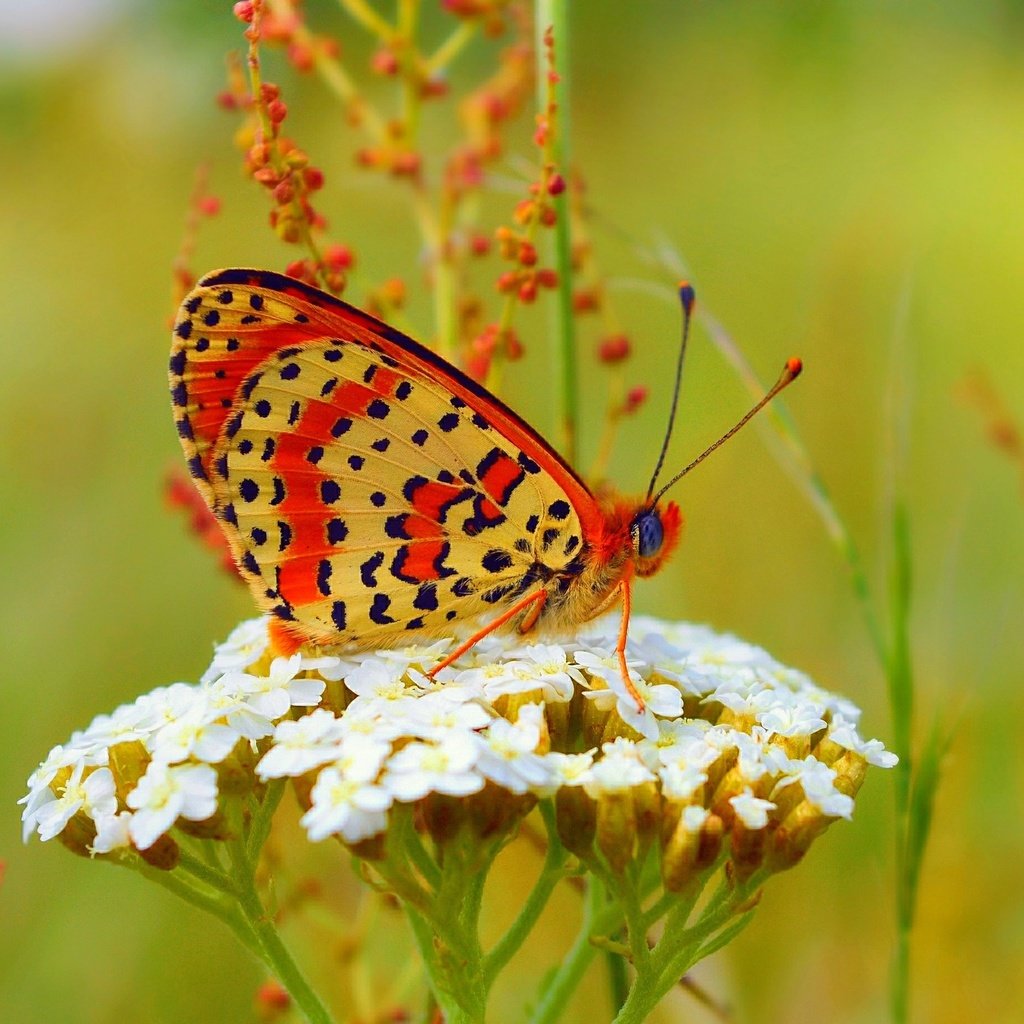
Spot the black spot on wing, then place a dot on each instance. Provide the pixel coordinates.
(496, 560)
(378, 610)
(323, 576)
(367, 571)
(338, 615)
(426, 598)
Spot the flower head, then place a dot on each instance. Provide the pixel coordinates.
(728, 739)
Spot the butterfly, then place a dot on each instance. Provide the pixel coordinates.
(371, 491)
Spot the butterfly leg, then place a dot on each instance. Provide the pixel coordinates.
(537, 599)
(625, 589)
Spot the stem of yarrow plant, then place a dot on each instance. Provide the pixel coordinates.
(563, 983)
(271, 949)
(551, 874)
(554, 14)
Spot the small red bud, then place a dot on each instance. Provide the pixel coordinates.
(301, 57)
(614, 349)
(434, 88)
(406, 164)
(209, 206)
(556, 185)
(277, 111)
(547, 278)
(479, 245)
(243, 11)
(313, 178)
(507, 281)
(272, 998)
(585, 301)
(284, 191)
(384, 62)
(513, 346)
(527, 254)
(524, 211)
(635, 397)
(339, 257)
(269, 92)
(548, 216)
(528, 290)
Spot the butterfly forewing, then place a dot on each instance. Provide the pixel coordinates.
(367, 489)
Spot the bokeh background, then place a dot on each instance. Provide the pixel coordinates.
(843, 180)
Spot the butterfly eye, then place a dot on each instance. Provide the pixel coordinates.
(647, 533)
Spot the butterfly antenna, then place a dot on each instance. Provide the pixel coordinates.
(687, 296)
(790, 372)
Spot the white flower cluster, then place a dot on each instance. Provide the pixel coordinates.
(402, 736)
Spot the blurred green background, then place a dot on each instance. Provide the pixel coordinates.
(844, 180)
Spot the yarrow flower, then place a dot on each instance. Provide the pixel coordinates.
(734, 765)
(728, 739)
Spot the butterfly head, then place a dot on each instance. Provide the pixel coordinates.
(654, 532)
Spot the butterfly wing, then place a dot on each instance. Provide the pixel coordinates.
(367, 487)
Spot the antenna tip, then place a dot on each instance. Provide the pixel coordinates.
(687, 296)
(794, 366)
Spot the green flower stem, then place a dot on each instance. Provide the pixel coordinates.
(552, 872)
(564, 982)
(450, 951)
(618, 979)
(451, 47)
(272, 950)
(259, 824)
(220, 905)
(679, 949)
(405, 836)
(554, 14)
(204, 870)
